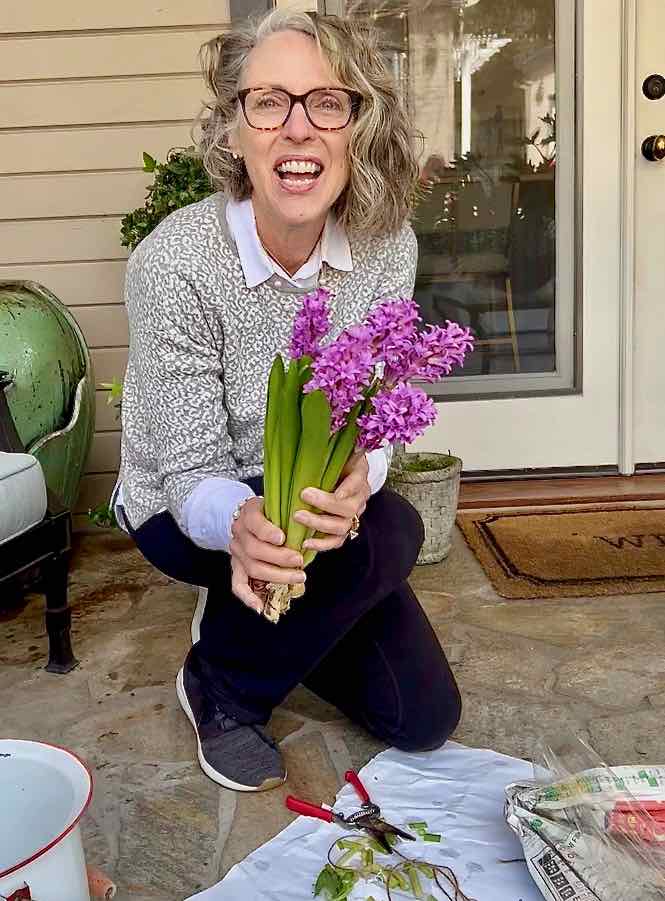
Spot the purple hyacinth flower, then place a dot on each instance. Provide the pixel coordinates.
(343, 370)
(311, 324)
(394, 328)
(400, 414)
(432, 355)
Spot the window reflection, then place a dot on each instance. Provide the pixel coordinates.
(479, 78)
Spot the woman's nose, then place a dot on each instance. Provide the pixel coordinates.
(298, 127)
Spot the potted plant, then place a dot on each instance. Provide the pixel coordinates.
(430, 482)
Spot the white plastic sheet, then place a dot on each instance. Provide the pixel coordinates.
(458, 791)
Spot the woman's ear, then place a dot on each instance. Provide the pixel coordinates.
(234, 144)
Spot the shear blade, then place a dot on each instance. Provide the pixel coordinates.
(380, 837)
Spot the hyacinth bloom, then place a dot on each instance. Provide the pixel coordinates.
(433, 354)
(311, 325)
(393, 325)
(400, 414)
(343, 371)
(353, 392)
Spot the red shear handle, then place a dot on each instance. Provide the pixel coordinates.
(309, 810)
(352, 777)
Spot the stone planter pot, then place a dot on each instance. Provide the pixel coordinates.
(434, 493)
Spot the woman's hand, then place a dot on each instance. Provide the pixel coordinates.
(256, 554)
(338, 509)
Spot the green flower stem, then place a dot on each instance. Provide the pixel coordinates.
(346, 857)
(399, 879)
(271, 443)
(425, 870)
(416, 886)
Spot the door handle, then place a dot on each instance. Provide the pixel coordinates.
(653, 148)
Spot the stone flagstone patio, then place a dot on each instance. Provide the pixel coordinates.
(163, 830)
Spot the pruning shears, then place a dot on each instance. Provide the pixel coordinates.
(368, 817)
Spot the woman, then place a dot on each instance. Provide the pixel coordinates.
(312, 152)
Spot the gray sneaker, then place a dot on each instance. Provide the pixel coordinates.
(243, 758)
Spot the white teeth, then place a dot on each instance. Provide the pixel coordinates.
(301, 167)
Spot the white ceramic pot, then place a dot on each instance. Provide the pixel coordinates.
(44, 791)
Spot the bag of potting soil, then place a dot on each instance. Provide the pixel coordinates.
(591, 832)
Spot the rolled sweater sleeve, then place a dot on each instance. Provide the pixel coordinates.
(178, 375)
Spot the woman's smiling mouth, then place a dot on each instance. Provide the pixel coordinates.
(297, 174)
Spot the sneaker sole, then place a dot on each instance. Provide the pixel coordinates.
(203, 763)
(201, 600)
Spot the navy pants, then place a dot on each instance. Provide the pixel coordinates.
(358, 637)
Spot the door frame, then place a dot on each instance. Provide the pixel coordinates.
(628, 198)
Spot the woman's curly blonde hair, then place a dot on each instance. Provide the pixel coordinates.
(382, 158)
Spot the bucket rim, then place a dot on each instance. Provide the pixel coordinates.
(71, 826)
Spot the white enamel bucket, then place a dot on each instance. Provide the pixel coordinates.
(44, 791)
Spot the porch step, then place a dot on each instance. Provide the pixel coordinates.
(541, 492)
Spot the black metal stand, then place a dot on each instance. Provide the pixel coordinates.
(58, 614)
(38, 560)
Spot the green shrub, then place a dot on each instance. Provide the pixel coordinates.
(179, 181)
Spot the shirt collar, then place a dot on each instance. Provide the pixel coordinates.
(258, 267)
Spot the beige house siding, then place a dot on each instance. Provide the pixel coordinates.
(84, 89)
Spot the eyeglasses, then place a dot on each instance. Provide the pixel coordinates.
(328, 109)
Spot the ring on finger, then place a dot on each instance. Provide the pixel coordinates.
(355, 526)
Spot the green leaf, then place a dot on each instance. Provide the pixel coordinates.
(271, 443)
(114, 388)
(340, 448)
(103, 516)
(310, 461)
(328, 883)
(289, 437)
(340, 453)
(149, 164)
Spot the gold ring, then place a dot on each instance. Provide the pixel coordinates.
(355, 525)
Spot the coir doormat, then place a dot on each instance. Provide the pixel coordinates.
(569, 552)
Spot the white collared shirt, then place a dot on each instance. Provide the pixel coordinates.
(257, 266)
(208, 511)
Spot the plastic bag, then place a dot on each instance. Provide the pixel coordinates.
(591, 832)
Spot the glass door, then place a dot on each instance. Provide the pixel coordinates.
(492, 87)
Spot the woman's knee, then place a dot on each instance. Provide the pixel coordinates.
(399, 532)
(430, 725)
